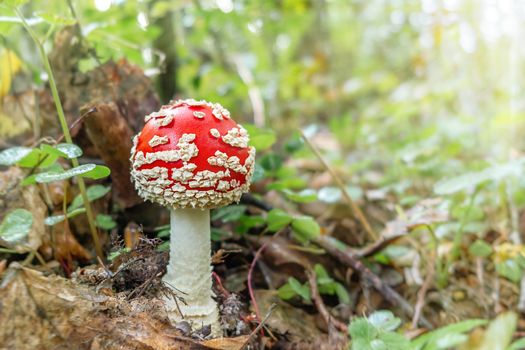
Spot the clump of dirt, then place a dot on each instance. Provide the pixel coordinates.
(132, 273)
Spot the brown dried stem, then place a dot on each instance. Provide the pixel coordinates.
(250, 273)
(355, 208)
(431, 269)
(321, 307)
(386, 291)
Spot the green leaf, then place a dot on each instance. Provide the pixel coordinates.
(50, 150)
(218, 234)
(261, 139)
(31, 179)
(32, 159)
(258, 173)
(13, 155)
(450, 340)
(517, 345)
(294, 144)
(361, 329)
(473, 179)
(520, 260)
(113, 255)
(70, 150)
(361, 344)
(16, 226)
(384, 320)
(304, 196)
(93, 193)
(164, 233)
(378, 344)
(306, 227)
(277, 219)
(321, 274)
(498, 335)
(55, 219)
(342, 293)
(39, 158)
(393, 341)
(13, 3)
(286, 292)
(459, 183)
(229, 213)
(53, 18)
(480, 249)
(247, 222)
(303, 290)
(105, 222)
(51, 176)
(329, 194)
(287, 184)
(429, 340)
(510, 269)
(163, 247)
(98, 172)
(271, 161)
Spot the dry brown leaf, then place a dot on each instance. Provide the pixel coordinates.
(41, 312)
(57, 191)
(286, 319)
(67, 248)
(3, 265)
(236, 343)
(109, 132)
(278, 251)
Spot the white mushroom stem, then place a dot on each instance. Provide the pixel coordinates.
(189, 269)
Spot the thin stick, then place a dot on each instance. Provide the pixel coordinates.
(259, 327)
(321, 307)
(40, 259)
(386, 291)
(250, 273)
(424, 288)
(355, 208)
(65, 130)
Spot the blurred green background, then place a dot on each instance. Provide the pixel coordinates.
(407, 92)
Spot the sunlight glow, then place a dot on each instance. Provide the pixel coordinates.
(102, 5)
(143, 20)
(225, 6)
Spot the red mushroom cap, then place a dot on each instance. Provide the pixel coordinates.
(192, 154)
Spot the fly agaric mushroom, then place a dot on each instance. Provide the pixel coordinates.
(192, 157)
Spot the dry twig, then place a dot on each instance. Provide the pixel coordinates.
(355, 208)
(321, 307)
(386, 291)
(423, 290)
(259, 327)
(250, 273)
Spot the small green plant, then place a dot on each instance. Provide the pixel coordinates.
(378, 332)
(509, 260)
(45, 167)
(304, 227)
(294, 288)
(326, 285)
